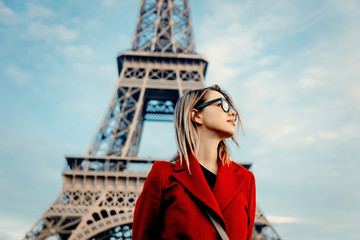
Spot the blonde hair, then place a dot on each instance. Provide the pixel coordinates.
(186, 130)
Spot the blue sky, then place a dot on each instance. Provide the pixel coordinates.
(292, 68)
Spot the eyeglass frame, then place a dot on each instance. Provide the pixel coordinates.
(205, 104)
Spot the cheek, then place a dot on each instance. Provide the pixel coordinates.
(215, 120)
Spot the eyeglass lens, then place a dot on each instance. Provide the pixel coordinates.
(225, 105)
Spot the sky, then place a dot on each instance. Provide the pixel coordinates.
(292, 68)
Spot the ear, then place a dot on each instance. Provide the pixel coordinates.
(196, 117)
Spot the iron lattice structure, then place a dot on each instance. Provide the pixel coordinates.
(100, 188)
(164, 26)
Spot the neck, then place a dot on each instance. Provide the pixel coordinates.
(207, 154)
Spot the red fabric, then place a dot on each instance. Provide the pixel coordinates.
(171, 203)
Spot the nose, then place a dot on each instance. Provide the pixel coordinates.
(232, 112)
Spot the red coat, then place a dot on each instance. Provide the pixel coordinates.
(171, 203)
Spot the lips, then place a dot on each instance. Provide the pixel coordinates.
(231, 121)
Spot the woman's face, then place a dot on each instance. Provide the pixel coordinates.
(213, 118)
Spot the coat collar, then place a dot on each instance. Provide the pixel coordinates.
(228, 184)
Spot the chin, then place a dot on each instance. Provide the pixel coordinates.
(229, 134)
(224, 132)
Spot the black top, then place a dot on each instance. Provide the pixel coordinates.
(209, 176)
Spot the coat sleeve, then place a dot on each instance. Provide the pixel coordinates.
(146, 223)
(251, 208)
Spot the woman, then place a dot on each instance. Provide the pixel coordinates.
(203, 187)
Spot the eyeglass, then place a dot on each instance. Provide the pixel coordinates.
(225, 105)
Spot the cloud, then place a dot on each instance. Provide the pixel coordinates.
(11, 229)
(266, 85)
(351, 130)
(235, 38)
(328, 135)
(266, 61)
(20, 77)
(83, 52)
(33, 12)
(51, 33)
(355, 93)
(313, 77)
(297, 84)
(227, 52)
(297, 96)
(7, 15)
(292, 68)
(92, 25)
(309, 82)
(348, 9)
(282, 219)
(39, 12)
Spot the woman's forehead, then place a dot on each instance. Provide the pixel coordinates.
(212, 94)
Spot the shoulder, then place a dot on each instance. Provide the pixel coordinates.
(161, 168)
(249, 179)
(163, 165)
(159, 172)
(239, 169)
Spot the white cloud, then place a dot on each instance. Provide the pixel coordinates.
(348, 9)
(92, 25)
(314, 77)
(34, 12)
(271, 21)
(235, 37)
(39, 12)
(316, 71)
(351, 130)
(282, 219)
(20, 77)
(83, 52)
(265, 61)
(228, 49)
(11, 229)
(296, 101)
(309, 139)
(355, 236)
(309, 82)
(51, 33)
(328, 135)
(283, 132)
(227, 44)
(265, 86)
(354, 93)
(7, 15)
(299, 98)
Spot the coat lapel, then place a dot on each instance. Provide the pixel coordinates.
(228, 184)
(196, 184)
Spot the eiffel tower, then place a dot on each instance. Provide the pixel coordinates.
(100, 189)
